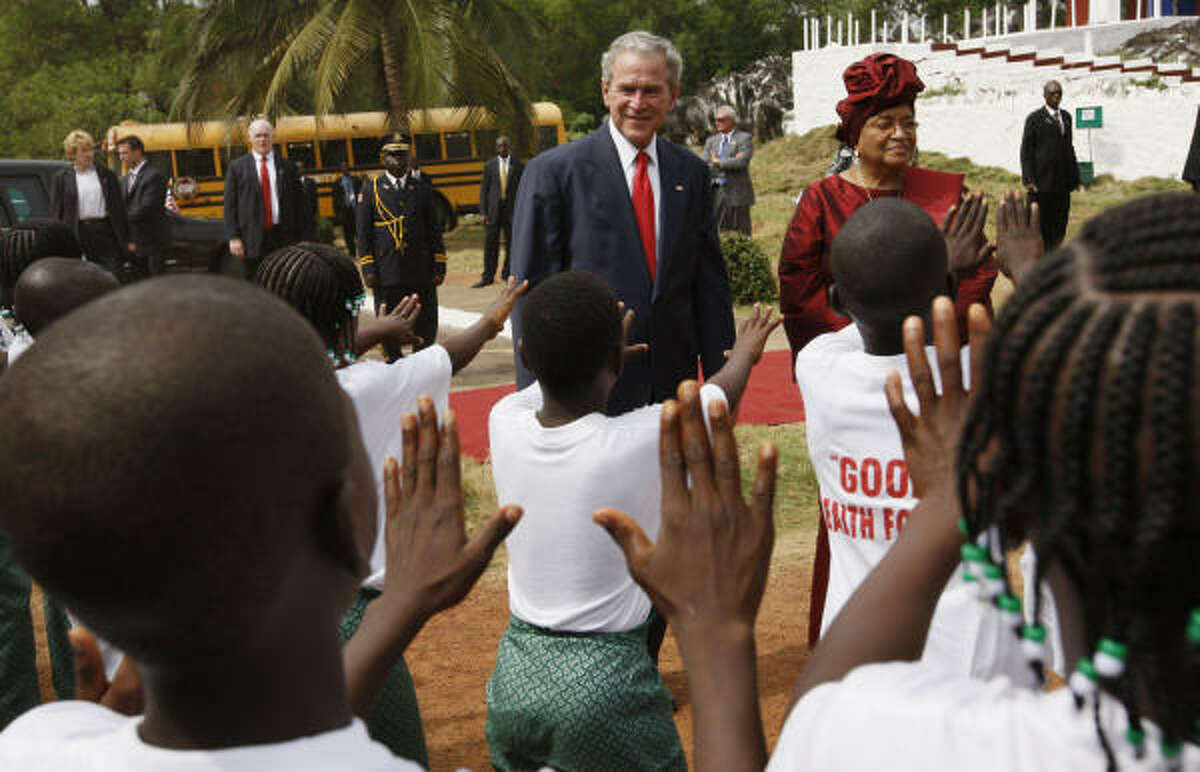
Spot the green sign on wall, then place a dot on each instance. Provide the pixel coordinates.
(1089, 117)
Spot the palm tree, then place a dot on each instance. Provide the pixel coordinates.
(252, 56)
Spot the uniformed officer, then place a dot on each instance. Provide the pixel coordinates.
(400, 239)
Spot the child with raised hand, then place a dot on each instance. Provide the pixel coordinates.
(218, 577)
(1077, 436)
(889, 261)
(324, 285)
(574, 655)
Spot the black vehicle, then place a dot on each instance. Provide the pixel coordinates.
(197, 245)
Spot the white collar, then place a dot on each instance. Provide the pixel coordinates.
(395, 181)
(625, 149)
(1052, 111)
(258, 159)
(133, 170)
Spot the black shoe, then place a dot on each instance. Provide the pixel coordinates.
(482, 283)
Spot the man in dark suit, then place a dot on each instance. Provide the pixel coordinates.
(637, 211)
(345, 203)
(1048, 166)
(400, 240)
(257, 178)
(728, 153)
(497, 192)
(311, 199)
(145, 204)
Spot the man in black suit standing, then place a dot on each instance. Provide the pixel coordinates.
(637, 211)
(264, 202)
(497, 192)
(145, 190)
(345, 203)
(1048, 166)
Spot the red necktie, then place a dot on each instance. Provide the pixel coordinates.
(643, 209)
(268, 223)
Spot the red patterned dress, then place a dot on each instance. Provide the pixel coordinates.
(804, 278)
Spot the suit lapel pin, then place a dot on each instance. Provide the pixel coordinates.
(679, 188)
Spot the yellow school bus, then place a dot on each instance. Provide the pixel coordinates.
(450, 149)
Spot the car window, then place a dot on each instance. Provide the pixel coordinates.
(26, 196)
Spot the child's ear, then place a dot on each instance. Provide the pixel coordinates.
(339, 529)
(835, 299)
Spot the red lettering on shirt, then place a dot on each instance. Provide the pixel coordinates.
(866, 522)
(849, 480)
(888, 523)
(871, 477)
(897, 479)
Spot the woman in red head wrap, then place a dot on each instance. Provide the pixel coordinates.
(879, 124)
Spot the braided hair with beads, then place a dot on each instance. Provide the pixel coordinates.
(323, 284)
(1081, 438)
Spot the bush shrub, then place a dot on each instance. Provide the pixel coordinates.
(751, 279)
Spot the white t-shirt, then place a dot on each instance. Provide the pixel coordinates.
(382, 393)
(564, 571)
(91, 197)
(911, 716)
(84, 736)
(866, 497)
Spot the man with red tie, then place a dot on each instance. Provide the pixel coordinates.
(636, 210)
(264, 202)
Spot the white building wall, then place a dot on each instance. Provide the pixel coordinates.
(980, 112)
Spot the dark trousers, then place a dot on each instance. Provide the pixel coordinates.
(346, 220)
(729, 217)
(99, 244)
(1053, 207)
(427, 320)
(272, 240)
(501, 228)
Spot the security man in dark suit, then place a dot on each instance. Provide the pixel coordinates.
(400, 239)
(264, 203)
(345, 204)
(497, 192)
(145, 190)
(1048, 166)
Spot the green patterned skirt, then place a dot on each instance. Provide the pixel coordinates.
(576, 701)
(396, 719)
(37, 664)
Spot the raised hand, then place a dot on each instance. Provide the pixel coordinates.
(123, 694)
(753, 333)
(930, 440)
(707, 573)
(1019, 242)
(963, 231)
(498, 312)
(431, 565)
(396, 324)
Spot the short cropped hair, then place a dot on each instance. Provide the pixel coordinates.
(645, 44)
(155, 482)
(570, 329)
(74, 141)
(726, 111)
(134, 142)
(53, 287)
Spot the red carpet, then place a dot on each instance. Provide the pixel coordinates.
(770, 398)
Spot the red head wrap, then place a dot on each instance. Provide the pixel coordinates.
(873, 85)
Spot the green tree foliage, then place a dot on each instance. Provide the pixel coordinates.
(67, 64)
(276, 57)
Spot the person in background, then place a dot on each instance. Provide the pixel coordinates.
(345, 203)
(1048, 166)
(497, 192)
(311, 200)
(728, 153)
(145, 201)
(87, 196)
(1191, 168)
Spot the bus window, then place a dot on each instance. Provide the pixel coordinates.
(302, 152)
(196, 162)
(485, 142)
(333, 153)
(161, 160)
(429, 147)
(366, 150)
(547, 137)
(458, 145)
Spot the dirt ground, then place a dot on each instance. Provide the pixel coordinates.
(453, 657)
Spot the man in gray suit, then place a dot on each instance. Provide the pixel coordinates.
(729, 152)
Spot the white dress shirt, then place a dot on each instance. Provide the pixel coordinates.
(1057, 118)
(627, 153)
(91, 197)
(131, 179)
(258, 159)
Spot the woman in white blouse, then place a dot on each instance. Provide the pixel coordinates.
(87, 196)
